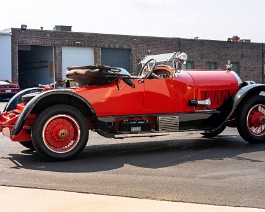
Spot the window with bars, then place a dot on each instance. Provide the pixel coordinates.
(235, 67)
(211, 65)
(189, 65)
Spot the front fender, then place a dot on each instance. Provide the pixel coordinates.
(245, 92)
(52, 97)
(242, 95)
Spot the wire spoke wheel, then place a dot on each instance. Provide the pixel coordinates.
(60, 132)
(251, 120)
(256, 120)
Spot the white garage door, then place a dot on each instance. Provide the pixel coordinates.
(5, 56)
(76, 56)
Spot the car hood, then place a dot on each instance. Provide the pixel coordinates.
(215, 78)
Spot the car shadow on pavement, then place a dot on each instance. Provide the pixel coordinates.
(149, 155)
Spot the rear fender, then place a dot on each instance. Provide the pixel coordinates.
(16, 99)
(52, 97)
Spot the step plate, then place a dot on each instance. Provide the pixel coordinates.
(168, 123)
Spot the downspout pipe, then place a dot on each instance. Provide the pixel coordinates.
(262, 59)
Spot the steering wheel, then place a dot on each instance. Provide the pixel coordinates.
(147, 68)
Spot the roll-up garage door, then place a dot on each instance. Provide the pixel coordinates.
(116, 58)
(76, 56)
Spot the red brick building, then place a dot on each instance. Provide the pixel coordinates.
(44, 54)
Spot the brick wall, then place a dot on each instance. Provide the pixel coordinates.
(249, 55)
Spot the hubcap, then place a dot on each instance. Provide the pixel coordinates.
(256, 120)
(61, 133)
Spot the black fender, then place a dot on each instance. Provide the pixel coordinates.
(52, 97)
(16, 99)
(245, 92)
(238, 99)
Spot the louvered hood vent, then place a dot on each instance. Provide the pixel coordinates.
(217, 97)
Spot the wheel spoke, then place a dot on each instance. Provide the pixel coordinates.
(256, 120)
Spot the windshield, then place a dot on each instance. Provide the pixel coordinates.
(3, 82)
(160, 57)
(174, 59)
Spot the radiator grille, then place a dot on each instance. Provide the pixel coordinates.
(217, 97)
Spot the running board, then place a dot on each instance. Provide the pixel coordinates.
(131, 135)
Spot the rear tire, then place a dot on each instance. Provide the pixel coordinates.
(60, 132)
(251, 120)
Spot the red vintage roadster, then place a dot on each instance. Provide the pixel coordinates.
(162, 98)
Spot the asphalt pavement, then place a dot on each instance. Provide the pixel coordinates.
(28, 199)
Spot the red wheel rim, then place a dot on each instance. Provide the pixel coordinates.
(256, 120)
(61, 133)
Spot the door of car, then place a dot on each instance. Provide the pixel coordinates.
(158, 95)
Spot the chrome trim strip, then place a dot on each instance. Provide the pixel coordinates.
(131, 135)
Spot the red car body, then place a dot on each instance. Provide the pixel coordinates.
(160, 99)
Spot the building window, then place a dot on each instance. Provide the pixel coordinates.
(235, 67)
(189, 65)
(211, 65)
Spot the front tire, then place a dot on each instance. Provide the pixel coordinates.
(60, 132)
(251, 120)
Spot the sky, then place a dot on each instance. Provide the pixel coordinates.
(206, 19)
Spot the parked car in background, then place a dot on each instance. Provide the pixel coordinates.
(161, 99)
(8, 89)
